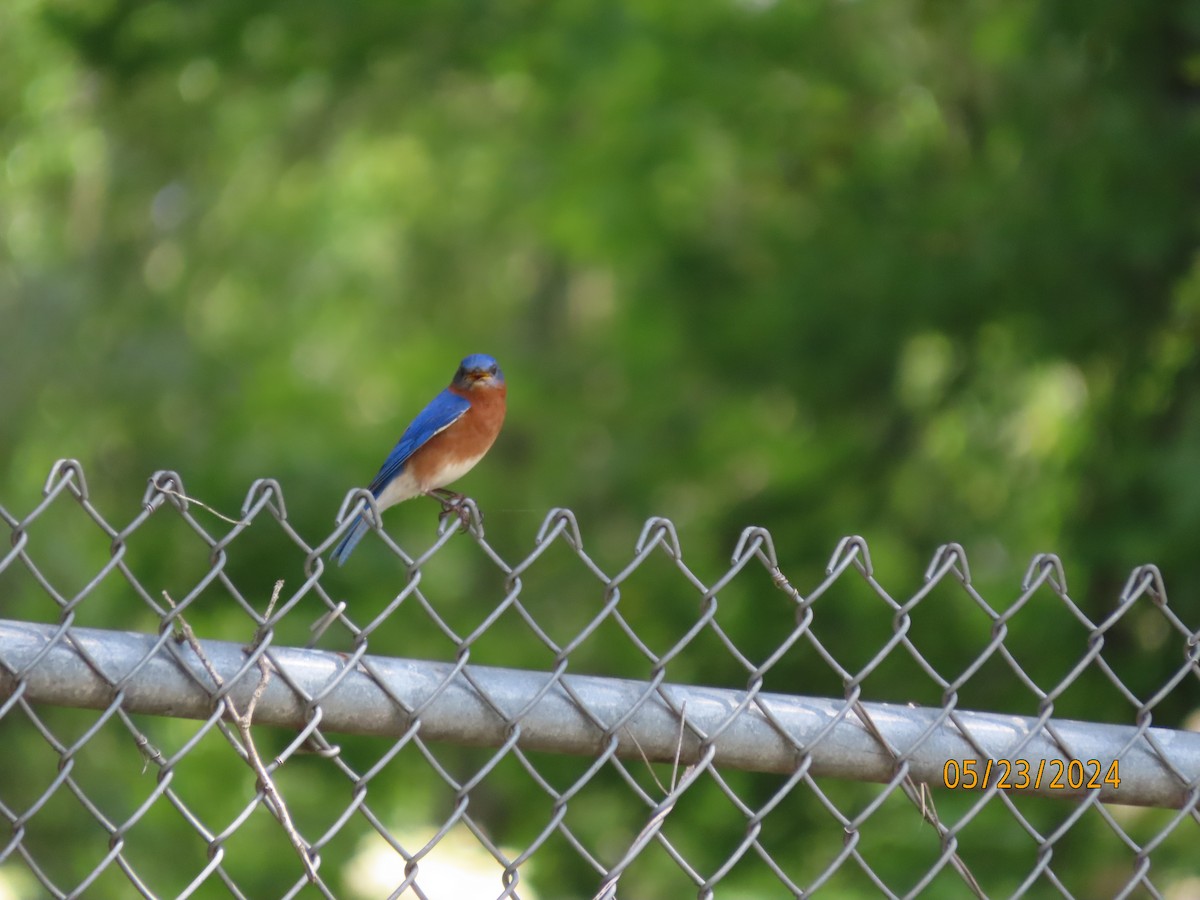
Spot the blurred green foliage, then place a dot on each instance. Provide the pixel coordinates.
(924, 272)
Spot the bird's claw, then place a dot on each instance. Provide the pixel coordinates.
(455, 504)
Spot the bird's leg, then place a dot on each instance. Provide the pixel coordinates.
(452, 503)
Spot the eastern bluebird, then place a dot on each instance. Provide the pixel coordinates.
(441, 445)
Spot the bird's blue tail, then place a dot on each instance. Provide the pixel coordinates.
(350, 541)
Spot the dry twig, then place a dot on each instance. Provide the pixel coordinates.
(243, 722)
(182, 496)
(919, 795)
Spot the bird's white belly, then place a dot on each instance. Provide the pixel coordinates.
(453, 470)
(406, 485)
(402, 487)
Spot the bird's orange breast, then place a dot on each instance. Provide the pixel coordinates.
(451, 453)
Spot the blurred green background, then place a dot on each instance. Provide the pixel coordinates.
(920, 271)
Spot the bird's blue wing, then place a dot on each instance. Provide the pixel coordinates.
(443, 411)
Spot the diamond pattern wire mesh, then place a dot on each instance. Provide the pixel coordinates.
(662, 747)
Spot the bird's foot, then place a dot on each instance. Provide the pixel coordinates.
(455, 504)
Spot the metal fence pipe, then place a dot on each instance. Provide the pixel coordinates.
(451, 708)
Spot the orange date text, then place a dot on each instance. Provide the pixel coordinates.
(1031, 775)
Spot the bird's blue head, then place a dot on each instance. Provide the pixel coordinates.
(478, 371)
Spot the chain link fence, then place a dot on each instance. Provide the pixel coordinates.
(181, 717)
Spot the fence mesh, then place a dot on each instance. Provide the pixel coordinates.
(182, 717)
